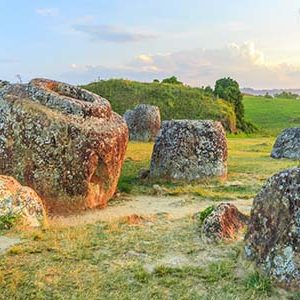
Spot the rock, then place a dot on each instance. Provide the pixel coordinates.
(223, 223)
(273, 236)
(3, 83)
(143, 174)
(158, 190)
(287, 144)
(189, 150)
(20, 201)
(143, 122)
(63, 141)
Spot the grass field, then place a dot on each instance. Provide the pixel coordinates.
(249, 166)
(156, 257)
(272, 115)
(124, 260)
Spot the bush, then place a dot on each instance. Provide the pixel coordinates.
(8, 221)
(171, 80)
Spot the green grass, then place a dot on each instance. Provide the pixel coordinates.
(272, 115)
(96, 261)
(183, 102)
(249, 166)
(174, 101)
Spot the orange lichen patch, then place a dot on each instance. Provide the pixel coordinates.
(134, 219)
(231, 223)
(224, 223)
(51, 85)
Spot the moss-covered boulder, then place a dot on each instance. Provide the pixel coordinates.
(64, 142)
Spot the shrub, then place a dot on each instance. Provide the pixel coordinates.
(8, 221)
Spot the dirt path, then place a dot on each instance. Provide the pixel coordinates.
(174, 207)
(7, 242)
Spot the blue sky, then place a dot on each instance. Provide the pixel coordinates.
(256, 42)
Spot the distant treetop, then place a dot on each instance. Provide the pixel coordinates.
(171, 80)
(286, 95)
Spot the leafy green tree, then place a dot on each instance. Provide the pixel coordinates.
(229, 90)
(156, 80)
(208, 90)
(171, 80)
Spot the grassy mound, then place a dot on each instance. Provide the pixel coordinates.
(272, 115)
(174, 101)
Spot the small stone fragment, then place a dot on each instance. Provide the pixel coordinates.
(223, 223)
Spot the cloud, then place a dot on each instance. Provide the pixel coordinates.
(198, 67)
(47, 12)
(145, 58)
(112, 33)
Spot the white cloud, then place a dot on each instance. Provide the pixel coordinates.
(145, 58)
(47, 12)
(112, 33)
(199, 67)
(248, 52)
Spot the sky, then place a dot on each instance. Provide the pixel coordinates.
(256, 42)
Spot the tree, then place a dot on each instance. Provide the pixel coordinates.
(208, 90)
(268, 96)
(156, 80)
(171, 80)
(229, 90)
(286, 95)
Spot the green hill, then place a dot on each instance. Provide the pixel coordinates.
(174, 101)
(272, 115)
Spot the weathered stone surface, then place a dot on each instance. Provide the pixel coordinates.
(287, 144)
(224, 223)
(64, 142)
(273, 236)
(20, 201)
(189, 150)
(3, 83)
(143, 122)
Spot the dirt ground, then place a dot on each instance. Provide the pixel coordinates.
(174, 207)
